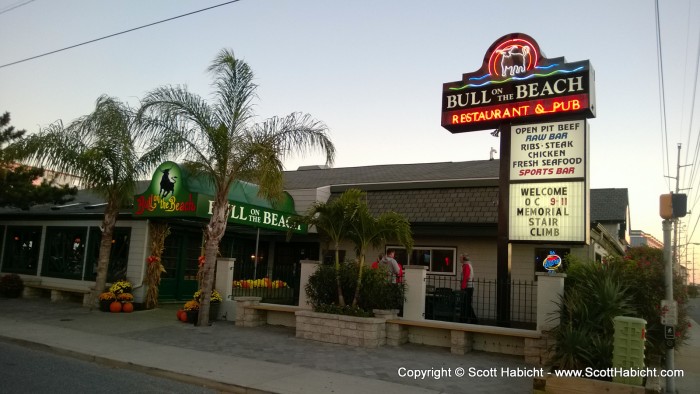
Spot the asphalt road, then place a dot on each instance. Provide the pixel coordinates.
(28, 370)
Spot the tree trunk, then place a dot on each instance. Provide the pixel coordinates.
(359, 280)
(108, 223)
(341, 298)
(214, 232)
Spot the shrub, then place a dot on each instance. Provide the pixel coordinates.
(594, 294)
(375, 293)
(11, 285)
(644, 267)
(693, 291)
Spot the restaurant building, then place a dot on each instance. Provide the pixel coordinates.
(452, 208)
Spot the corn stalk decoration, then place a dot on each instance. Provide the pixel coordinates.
(158, 231)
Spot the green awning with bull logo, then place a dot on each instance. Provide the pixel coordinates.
(175, 193)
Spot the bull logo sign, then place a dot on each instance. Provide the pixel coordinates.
(512, 57)
(167, 183)
(166, 194)
(516, 83)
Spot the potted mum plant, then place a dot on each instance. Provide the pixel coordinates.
(121, 286)
(214, 303)
(191, 309)
(106, 299)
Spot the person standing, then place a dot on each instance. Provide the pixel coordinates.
(467, 286)
(390, 265)
(375, 265)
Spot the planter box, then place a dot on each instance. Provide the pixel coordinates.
(267, 294)
(369, 332)
(566, 385)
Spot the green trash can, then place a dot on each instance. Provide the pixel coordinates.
(628, 347)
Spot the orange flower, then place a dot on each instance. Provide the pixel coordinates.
(201, 261)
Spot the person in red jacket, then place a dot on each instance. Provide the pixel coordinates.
(467, 286)
(375, 265)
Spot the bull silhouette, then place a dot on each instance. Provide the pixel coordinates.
(167, 184)
(514, 60)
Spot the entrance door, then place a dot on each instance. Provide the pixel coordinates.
(181, 261)
(287, 267)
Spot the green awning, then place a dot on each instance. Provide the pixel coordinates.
(176, 193)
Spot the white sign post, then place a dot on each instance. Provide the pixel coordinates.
(555, 150)
(669, 313)
(548, 211)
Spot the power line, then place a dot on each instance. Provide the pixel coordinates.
(662, 103)
(13, 6)
(116, 34)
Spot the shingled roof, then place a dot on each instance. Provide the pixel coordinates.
(445, 205)
(430, 199)
(313, 177)
(609, 205)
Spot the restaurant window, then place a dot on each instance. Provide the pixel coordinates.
(541, 254)
(248, 264)
(118, 254)
(64, 252)
(22, 250)
(439, 260)
(329, 256)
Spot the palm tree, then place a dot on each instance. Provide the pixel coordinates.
(332, 219)
(101, 149)
(220, 142)
(367, 230)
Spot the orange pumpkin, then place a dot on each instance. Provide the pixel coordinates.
(115, 307)
(127, 307)
(182, 315)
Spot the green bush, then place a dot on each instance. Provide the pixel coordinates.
(375, 292)
(644, 268)
(595, 294)
(11, 285)
(693, 291)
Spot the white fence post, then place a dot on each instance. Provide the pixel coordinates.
(308, 267)
(550, 287)
(414, 305)
(224, 285)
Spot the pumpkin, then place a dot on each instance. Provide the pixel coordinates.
(182, 315)
(115, 307)
(127, 307)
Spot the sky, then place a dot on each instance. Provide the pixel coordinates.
(372, 71)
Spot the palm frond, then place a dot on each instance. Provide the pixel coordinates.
(296, 133)
(234, 91)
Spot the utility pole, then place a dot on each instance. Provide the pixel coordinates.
(675, 247)
(671, 207)
(676, 262)
(668, 279)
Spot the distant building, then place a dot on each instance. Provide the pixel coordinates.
(60, 178)
(640, 238)
(610, 208)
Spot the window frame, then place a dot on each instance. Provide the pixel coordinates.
(409, 259)
(9, 251)
(63, 238)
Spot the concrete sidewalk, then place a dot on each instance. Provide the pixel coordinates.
(687, 359)
(235, 359)
(264, 359)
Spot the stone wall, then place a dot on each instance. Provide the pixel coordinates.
(538, 351)
(369, 332)
(249, 317)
